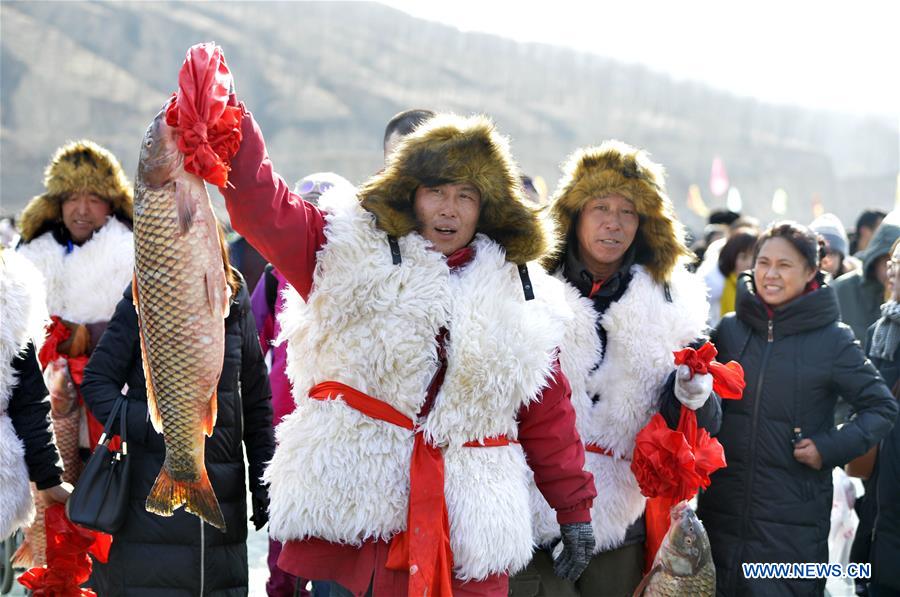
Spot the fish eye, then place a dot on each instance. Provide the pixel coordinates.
(688, 540)
(148, 143)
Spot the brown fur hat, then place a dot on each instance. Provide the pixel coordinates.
(454, 149)
(616, 168)
(77, 166)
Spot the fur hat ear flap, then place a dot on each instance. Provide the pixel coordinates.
(616, 168)
(452, 149)
(79, 166)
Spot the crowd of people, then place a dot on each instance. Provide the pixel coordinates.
(435, 385)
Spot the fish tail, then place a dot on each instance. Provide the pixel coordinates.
(24, 556)
(197, 497)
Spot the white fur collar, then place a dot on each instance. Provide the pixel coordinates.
(85, 285)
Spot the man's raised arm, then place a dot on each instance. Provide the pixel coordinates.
(284, 228)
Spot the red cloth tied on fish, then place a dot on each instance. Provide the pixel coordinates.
(209, 130)
(670, 465)
(68, 565)
(58, 332)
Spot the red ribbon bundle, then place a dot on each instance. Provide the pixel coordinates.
(57, 332)
(68, 565)
(670, 465)
(209, 130)
(728, 378)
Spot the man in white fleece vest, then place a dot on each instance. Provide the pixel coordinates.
(422, 348)
(622, 259)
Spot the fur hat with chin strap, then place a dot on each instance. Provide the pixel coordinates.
(616, 168)
(453, 149)
(77, 166)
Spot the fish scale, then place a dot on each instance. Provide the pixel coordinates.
(181, 300)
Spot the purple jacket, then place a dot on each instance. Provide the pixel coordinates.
(269, 329)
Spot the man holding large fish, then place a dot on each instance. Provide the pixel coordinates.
(422, 347)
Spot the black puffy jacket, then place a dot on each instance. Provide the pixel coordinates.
(178, 556)
(884, 484)
(29, 410)
(765, 506)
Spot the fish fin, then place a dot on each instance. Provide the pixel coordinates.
(210, 292)
(228, 296)
(24, 556)
(218, 294)
(185, 205)
(645, 582)
(152, 405)
(209, 419)
(197, 497)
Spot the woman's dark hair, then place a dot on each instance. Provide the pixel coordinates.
(740, 241)
(893, 248)
(808, 243)
(870, 218)
(231, 278)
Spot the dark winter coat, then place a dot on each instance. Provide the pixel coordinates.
(765, 506)
(178, 556)
(859, 293)
(884, 484)
(29, 411)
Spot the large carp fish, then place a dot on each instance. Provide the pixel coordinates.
(182, 300)
(683, 564)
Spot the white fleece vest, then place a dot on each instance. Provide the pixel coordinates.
(85, 285)
(643, 330)
(343, 477)
(22, 318)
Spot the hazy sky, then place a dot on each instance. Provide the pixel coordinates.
(835, 55)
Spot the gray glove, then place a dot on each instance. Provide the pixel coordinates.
(573, 553)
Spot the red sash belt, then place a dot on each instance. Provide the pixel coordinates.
(597, 449)
(423, 549)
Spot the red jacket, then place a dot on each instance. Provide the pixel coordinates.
(288, 232)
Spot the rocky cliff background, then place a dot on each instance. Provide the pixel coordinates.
(324, 78)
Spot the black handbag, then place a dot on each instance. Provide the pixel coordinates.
(100, 498)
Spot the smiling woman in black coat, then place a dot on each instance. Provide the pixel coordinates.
(772, 503)
(179, 556)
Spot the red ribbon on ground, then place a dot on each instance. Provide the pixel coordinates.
(209, 130)
(68, 565)
(423, 549)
